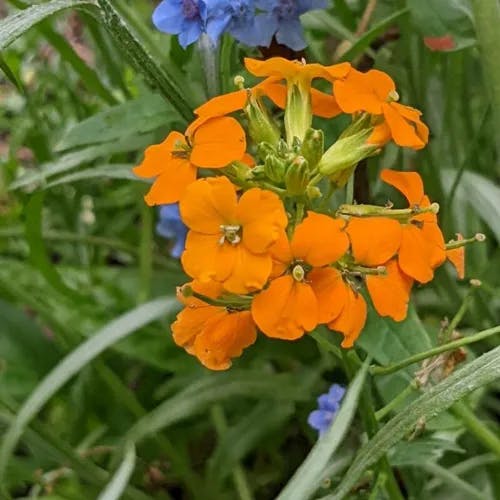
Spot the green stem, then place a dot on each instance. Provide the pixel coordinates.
(447, 333)
(383, 412)
(145, 254)
(450, 346)
(476, 427)
(487, 19)
(349, 190)
(239, 477)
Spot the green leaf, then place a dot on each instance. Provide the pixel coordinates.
(16, 24)
(114, 490)
(147, 113)
(72, 160)
(75, 361)
(477, 192)
(142, 62)
(307, 477)
(470, 377)
(114, 171)
(217, 387)
(444, 18)
(421, 451)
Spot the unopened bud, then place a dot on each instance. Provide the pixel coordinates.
(312, 147)
(282, 148)
(297, 176)
(313, 192)
(239, 82)
(274, 168)
(185, 291)
(261, 126)
(480, 237)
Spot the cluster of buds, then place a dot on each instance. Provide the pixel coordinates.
(266, 251)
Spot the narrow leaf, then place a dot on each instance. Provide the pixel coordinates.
(478, 373)
(114, 490)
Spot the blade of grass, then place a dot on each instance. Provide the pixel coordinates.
(115, 488)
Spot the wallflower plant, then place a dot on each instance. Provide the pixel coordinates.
(266, 250)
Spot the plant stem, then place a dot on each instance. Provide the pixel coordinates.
(450, 346)
(476, 427)
(349, 190)
(380, 414)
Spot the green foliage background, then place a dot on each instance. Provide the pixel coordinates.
(95, 399)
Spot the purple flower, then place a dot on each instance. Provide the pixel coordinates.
(328, 406)
(281, 19)
(185, 18)
(171, 227)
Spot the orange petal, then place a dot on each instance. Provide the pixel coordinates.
(381, 134)
(457, 257)
(276, 92)
(170, 186)
(340, 70)
(263, 217)
(433, 237)
(330, 291)
(224, 338)
(320, 239)
(209, 203)
(351, 320)
(390, 293)
(284, 68)
(381, 83)
(205, 259)
(218, 142)
(281, 254)
(355, 93)
(285, 309)
(408, 183)
(414, 258)
(324, 105)
(374, 240)
(158, 156)
(402, 132)
(249, 272)
(413, 115)
(190, 322)
(223, 104)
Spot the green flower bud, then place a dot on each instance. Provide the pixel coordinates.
(297, 176)
(264, 149)
(313, 146)
(261, 126)
(282, 148)
(274, 168)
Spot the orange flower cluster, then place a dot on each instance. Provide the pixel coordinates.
(265, 251)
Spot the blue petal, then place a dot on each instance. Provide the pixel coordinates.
(320, 420)
(306, 5)
(217, 25)
(337, 392)
(191, 31)
(170, 211)
(327, 403)
(168, 18)
(261, 33)
(290, 33)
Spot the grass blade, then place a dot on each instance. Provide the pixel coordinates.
(307, 478)
(115, 488)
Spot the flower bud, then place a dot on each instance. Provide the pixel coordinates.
(297, 176)
(312, 147)
(274, 168)
(261, 127)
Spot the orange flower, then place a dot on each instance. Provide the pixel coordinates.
(374, 242)
(300, 74)
(306, 292)
(213, 334)
(229, 239)
(213, 144)
(457, 257)
(375, 93)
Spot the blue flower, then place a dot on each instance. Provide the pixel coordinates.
(171, 227)
(238, 18)
(281, 19)
(328, 406)
(185, 18)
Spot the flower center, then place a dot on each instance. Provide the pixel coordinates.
(190, 9)
(298, 273)
(230, 233)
